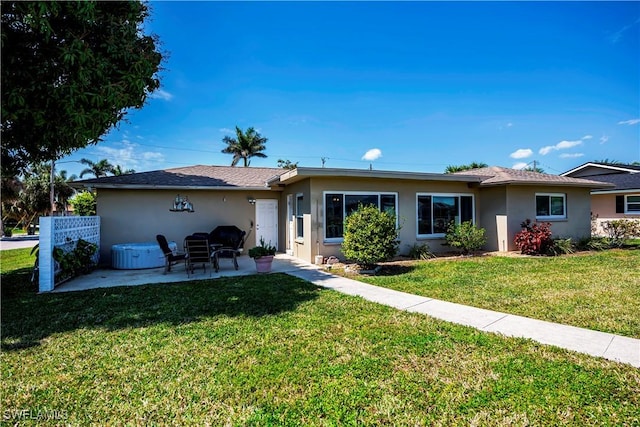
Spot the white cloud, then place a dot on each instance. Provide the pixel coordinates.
(372, 154)
(161, 94)
(603, 139)
(586, 137)
(520, 165)
(521, 153)
(226, 130)
(128, 156)
(562, 145)
(571, 155)
(629, 122)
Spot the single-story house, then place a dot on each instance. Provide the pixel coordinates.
(302, 211)
(622, 200)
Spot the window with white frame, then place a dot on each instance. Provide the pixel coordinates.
(436, 211)
(551, 206)
(339, 204)
(299, 216)
(632, 204)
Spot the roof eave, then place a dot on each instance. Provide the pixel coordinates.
(172, 187)
(302, 173)
(546, 183)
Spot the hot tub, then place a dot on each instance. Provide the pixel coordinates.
(137, 256)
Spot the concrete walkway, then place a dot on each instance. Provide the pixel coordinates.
(599, 344)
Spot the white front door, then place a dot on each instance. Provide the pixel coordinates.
(267, 221)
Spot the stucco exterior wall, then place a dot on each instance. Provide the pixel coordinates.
(301, 248)
(407, 211)
(138, 215)
(521, 205)
(604, 207)
(492, 201)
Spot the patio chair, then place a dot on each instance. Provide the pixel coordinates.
(169, 256)
(198, 253)
(230, 240)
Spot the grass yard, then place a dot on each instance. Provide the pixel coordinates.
(599, 290)
(276, 350)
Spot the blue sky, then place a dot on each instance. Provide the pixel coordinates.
(427, 84)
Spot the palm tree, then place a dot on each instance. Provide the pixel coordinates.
(99, 169)
(62, 190)
(117, 171)
(460, 168)
(245, 145)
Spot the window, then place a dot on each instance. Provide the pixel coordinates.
(632, 204)
(299, 216)
(550, 206)
(436, 211)
(338, 205)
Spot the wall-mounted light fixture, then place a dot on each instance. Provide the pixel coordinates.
(251, 200)
(182, 204)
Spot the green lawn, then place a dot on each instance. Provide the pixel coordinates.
(275, 350)
(599, 291)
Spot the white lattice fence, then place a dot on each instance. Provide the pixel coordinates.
(63, 232)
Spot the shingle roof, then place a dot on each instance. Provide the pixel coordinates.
(199, 176)
(622, 181)
(496, 175)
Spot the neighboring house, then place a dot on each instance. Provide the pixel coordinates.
(620, 201)
(302, 211)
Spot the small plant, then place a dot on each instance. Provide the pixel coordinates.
(263, 249)
(620, 230)
(561, 247)
(77, 261)
(422, 252)
(8, 232)
(465, 236)
(534, 239)
(370, 236)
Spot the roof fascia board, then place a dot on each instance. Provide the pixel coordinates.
(172, 187)
(636, 190)
(301, 173)
(546, 183)
(599, 165)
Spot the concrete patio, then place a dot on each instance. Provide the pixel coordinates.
(108, 278)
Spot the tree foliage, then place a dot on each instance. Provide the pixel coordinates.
(287, 164)
(84, 203)
(245, 145)
(70, 70)
(460, 168)
(97, 169)
(370, 236)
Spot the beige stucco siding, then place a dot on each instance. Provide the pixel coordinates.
(314, 189)
(138, 215)
(521, 205)
(491, 202)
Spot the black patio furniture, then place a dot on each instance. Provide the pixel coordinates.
(198, 253)
(169, 256)
(229, 240)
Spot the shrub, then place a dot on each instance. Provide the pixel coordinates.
(465, 236)
(422, 252)
(84, 203)
(561, 247)
(620, 230)
(534, 239)
(370, 236)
